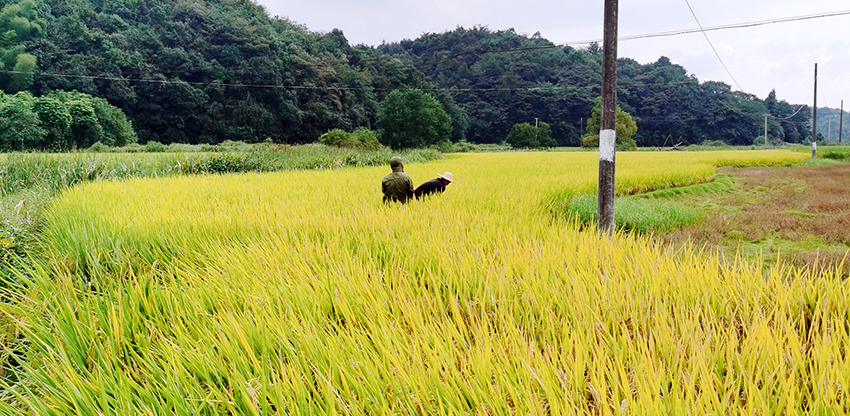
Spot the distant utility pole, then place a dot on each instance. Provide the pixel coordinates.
(765, 131)
(535, 129)
(608, 132)
(815, 118)
(841, 122)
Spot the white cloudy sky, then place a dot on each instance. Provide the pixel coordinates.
(780, 56)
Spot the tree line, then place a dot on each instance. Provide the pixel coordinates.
(195, 71)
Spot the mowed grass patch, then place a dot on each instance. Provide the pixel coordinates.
(798, 214)
(301, 292)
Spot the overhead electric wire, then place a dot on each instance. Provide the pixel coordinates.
(672, 32)
(712, 45)
(585, 42)
(789, 117)
(327, 88)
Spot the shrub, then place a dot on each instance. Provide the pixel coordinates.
(714, 143)
(358, 139)
(366, 139)
(98, 147)
(154, 146)
(526, 136)
(338, 138)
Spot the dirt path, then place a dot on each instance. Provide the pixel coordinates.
(801, 213)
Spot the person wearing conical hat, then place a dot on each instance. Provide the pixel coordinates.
(434, 185)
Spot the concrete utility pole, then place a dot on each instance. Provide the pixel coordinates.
(815, 118)
(841, 122)
(608, 132)
(765, 131)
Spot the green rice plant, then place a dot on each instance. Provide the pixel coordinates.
(631, 214)
(300, 292)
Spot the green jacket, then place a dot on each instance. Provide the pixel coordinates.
(397, 186)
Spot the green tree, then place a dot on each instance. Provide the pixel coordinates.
(526, 136)
(56, 121)
(18, 24)
(20, 127)
(625, 128)
(25, 66)
(85, 130)
(412, 119)
(117, 130)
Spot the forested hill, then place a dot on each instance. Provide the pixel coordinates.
(207, 71)
(180, 69)
(504, 78)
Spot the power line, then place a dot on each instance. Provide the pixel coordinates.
(329, 88)
(712, 45)
(669, 33)
(584, 42)
(789, 117)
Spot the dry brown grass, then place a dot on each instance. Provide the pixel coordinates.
(803, 213)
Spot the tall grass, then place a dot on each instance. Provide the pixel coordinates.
(301, 293)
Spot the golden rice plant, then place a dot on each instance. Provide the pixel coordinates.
(301, 293)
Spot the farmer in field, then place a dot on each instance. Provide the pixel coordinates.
(397, 186)
(434, 185)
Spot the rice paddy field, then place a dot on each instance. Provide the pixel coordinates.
(299, 292)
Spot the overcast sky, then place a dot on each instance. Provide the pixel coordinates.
(780, 56)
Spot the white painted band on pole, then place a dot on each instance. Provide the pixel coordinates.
(607, 145)
(814, 145)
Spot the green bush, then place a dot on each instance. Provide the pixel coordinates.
(154, 146)
(358, 139)
(336, 137)
(526, 136)
(366, 139)
(98, 147)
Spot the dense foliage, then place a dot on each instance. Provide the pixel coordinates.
(203, 72)
(526, 136)
(358, 139)
(503, 78)
(411, 119)
(625, 128)
(60, 121)
(195, 71)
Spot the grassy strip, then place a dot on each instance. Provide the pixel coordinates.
(632, 214)
(651, 211)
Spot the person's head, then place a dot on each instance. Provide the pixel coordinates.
(446, 177)
(396, 164)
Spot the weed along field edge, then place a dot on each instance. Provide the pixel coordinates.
(300, 292)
